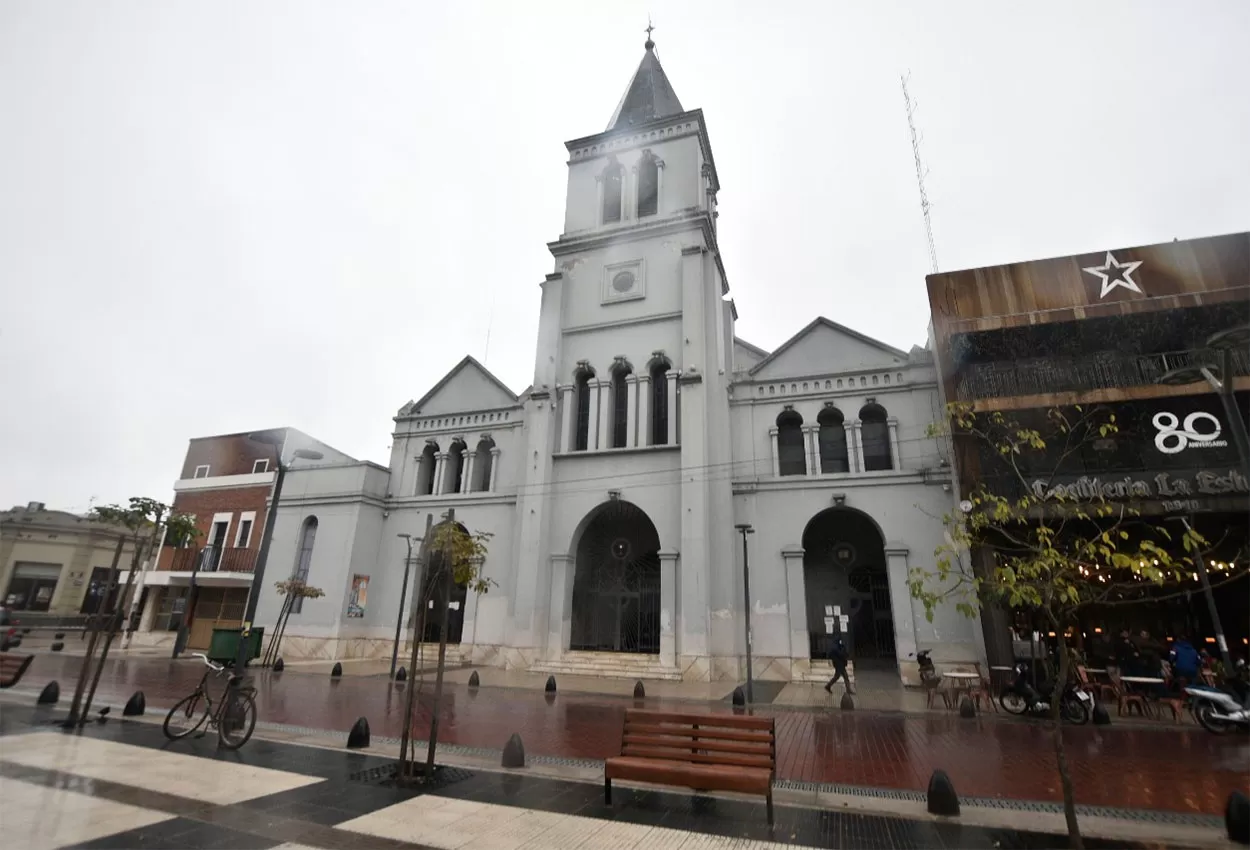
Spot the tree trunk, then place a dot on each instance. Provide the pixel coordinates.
(271, 651)
(423, 560)
(113, 622)
(444, 603)
(1056, 732)
(281, 628)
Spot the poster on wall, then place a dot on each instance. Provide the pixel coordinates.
(358, 599)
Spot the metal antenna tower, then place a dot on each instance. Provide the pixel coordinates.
(921, 171)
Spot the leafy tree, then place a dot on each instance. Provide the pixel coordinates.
(1057, 549)
(290, 590)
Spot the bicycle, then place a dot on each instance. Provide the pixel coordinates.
(234, 719)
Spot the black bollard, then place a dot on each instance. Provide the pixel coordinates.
(474, 681)
(336, 670)
(639, 691)
(966, 708)
(279, 666)
(848, 701)
(401, 675)
(50, 694)
(58, 646)
(739, 698)
(359, 736)
(1101, 716)
(941, 796)
(135, 706)
(1237, 817)
(514, 752)
(551, 685)
(59, 636)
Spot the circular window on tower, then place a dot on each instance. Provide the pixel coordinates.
(621, 548)
(623, 282)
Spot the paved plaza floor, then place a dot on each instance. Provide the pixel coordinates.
(121, 784)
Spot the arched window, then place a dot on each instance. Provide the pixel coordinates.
(425, 470)
(648, 185)
(612, 187)
(659, 403)
(620, 406)
(833, 454)
(791, 455)
(582, 426)
(303, 559)
(875, 435)
(455, 467)
(482, 462)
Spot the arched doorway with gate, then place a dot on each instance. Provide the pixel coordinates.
(616, 582)
(435, 593)
(844, 568)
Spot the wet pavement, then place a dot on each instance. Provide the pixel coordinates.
(1171, 769)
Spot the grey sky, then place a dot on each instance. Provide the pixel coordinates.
(223, 216)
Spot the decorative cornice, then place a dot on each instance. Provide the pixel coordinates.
(620, 323)
(692, 249)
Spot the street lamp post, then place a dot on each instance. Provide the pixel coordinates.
(403, 592)
(744, 529)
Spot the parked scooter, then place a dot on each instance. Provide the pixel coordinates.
(1221, 710)
(1020, 697)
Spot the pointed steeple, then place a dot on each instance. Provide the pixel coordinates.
(649, 96)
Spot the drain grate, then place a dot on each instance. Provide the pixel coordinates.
(386, 775)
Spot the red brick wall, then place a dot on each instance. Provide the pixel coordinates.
(205, 503)
(229, 455)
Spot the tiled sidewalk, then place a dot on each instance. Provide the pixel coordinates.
(122, 785)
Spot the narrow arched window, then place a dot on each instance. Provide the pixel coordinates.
(303, 559)
(833, 454)
(582, 426)
(648, 185)
(483, 460)
(874, 432)
(620, 407)
(791, 455)
(425, 470)
(613, 180)
(455, 467)
(659, 404)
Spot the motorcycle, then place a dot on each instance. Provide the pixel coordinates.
(1222, 710)
(1020, 697)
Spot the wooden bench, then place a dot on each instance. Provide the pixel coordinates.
(12, 666)
(706, 752)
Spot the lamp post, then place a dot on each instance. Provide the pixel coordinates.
(744, 529)
(262, 557)
(399, 618)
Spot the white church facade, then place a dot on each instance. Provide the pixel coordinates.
(613, 485)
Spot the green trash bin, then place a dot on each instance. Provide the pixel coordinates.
(224, 646)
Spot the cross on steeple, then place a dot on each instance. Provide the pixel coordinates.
(650, 44)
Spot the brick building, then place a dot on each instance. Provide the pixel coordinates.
(225, 483)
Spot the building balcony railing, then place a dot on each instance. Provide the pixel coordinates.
(213, 559)
(1102, 370)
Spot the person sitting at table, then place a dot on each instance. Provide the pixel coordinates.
(1126, 654)
(1185, 662)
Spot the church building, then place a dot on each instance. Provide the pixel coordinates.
(615, 486)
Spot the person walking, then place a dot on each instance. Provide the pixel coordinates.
(839, 657)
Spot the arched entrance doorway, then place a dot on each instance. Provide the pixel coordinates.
(844, 568)
(434, 592)
(616, 582)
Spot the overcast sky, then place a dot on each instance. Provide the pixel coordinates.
(225, 216)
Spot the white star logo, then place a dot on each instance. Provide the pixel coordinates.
(1115, 274)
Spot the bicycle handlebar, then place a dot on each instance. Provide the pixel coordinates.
(216, 668)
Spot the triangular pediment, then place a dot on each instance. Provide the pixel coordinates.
(825, 347)
(469, 386)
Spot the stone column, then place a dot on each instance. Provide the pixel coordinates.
(624, 192)
(772, 437)
(494, 469)
(895, 458)
(439, 468)
(568, 404)
(856, 449)
(659, 186)
(817, 463)
(606, 415)
(599, 199)
(809, 445)
(796, 603)
(668, 607)
(633, 191)
(644, 411)
(672, 408)
(466, 474)
(901, 609)
(631, 412)
(560, 615)
(592, 430)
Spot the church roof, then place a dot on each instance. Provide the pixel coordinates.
(649, 96)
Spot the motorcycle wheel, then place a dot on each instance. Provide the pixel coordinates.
(1204, 712)
(1013, 702)
(1074, 711)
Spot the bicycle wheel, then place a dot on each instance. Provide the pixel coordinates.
(236, 721)
(185, 717)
